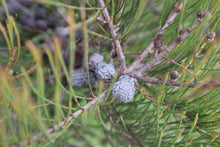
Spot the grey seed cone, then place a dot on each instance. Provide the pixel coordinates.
(80, 78)
(105, 71)
(95, 59)
(124, 89)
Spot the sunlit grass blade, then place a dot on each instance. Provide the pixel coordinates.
(18, 40)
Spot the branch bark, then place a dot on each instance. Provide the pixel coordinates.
(148, 49)
(62, 123)
(157, 59)
(120, 54)
(152, 80)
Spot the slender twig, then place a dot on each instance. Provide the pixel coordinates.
(129, 137)
(152, 80)
(37, 106)
(157, 59)
(120, 54)
(133, 134)
(64, 122)
(148, 49)
(184, 68)
(131, 131)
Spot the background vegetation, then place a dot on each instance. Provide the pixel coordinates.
(43, 41)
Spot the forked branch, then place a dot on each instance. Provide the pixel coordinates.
(157, 59)
(148, 49)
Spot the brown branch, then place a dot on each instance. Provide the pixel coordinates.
(156, 60)
(169, 21)
(64, 122)
(152, 80)
(133, 134)
(120, 54)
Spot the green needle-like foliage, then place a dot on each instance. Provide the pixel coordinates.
(39, 106)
